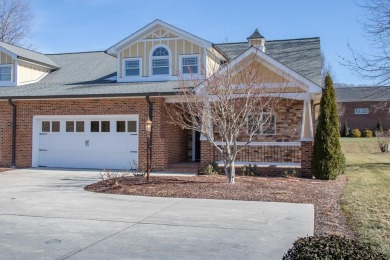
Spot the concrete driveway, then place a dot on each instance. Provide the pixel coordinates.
(46, 214)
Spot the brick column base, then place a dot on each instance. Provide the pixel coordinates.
(306, 159)
(206, 152)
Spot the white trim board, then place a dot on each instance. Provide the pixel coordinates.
(274, 66)
(120, 45)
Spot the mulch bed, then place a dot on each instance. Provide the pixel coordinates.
(5, 169)
(325, 195)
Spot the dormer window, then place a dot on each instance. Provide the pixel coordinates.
(5, 72)
(160, 61)
(189, 64)
(132, 67)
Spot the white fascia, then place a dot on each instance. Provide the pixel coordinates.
(120, 45)
(282, 70)
(13, 55)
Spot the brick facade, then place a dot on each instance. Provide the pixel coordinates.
(169, 144)
(206, 152)
(362, 122)
(177, 141)
(288, 124)
(307, 158)
(268, 154)
(288, 129)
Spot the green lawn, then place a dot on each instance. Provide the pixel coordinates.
(366, 199)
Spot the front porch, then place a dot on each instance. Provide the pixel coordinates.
(271, 158)
(289, 149)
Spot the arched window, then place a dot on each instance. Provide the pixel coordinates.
(160, 61)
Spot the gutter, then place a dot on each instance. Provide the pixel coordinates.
(90, 96)
(13, 160)
(150, 104)
(53, 67)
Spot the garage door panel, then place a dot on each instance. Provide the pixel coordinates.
(102, 150)
(97, 160)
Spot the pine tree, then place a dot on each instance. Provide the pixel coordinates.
(346, 129)
(379, 127)
(328, 159)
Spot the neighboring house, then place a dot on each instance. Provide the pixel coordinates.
(88, 109)
(362, 107)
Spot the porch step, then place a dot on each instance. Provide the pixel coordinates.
(186, 167)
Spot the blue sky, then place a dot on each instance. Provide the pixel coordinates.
(89, 25)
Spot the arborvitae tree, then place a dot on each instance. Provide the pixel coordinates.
(379, 127)
(346, 129)
(328, 159)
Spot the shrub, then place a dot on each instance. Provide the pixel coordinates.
(291, 173)
(346, 129)
(249, 170)
(356, 133)
(367, 133)
(211, 168)
(383, 139)
(328, 159)
(330, 247)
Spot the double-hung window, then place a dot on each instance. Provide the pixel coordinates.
(264, 124)
(361, 111)
(132, 67)
(160, 61)
(190, 65)
(5, 73)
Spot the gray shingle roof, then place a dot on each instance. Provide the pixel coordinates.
(29, 55)
(353, 94)
(301, 55)
(84, 74)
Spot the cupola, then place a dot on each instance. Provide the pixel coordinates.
(257, 40)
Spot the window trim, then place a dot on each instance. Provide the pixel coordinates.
(12, 74)
(124, 68)
(169, 61)
(257, 134)
(361, 108)
(188, 56)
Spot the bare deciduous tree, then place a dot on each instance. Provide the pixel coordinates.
(376, 64)
(232, 105)
(16, 21)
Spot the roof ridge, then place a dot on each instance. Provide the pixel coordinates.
(360, 87)
(23, 48)
(79, 52)
(294, 39)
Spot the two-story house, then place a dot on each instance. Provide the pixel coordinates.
(88, 109)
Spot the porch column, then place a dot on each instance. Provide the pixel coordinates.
(306, 159)
(206, 152)
(307, 140)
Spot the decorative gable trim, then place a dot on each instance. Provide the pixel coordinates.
(173, 30)
(160, 34)
(281, 69)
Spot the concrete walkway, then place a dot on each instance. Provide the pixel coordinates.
(46, 214)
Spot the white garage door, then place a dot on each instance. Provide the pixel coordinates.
(96, 142)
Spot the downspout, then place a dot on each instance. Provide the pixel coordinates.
(13, 160)
(150, 104)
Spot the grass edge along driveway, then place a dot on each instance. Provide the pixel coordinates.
(366, 199)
